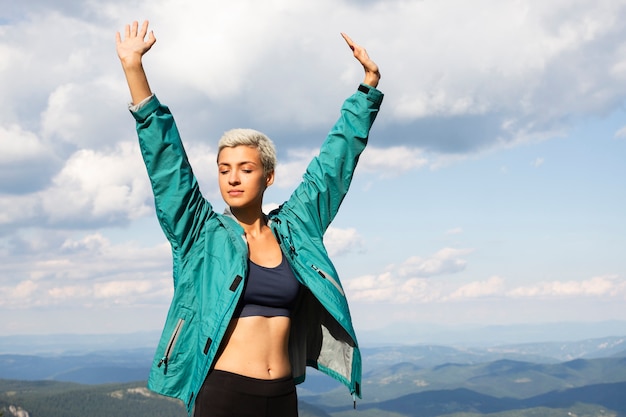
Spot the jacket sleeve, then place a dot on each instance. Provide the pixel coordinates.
(328, 176)
(179, 204)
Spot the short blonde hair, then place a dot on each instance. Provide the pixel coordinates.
(252, 138)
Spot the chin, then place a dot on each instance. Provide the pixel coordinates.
(238, 206)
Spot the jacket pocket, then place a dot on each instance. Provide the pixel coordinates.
(329, 278)
(172, 350)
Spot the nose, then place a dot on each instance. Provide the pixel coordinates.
(233, 177)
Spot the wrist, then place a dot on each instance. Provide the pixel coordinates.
(372, 78)
(131, 63)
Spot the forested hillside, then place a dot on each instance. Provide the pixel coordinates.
(503, 388)
(583, 379)
(47, 399)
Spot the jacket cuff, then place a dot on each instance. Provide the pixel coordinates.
(372, 93)
(144, 109)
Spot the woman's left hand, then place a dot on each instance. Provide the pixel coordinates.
(372, 73)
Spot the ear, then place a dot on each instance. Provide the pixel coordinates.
(269, 179)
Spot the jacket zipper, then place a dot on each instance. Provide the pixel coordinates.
(328, 278)
(170, 345)
(323, 274)
(292, 250)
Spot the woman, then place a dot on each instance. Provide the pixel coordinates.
(256, 298)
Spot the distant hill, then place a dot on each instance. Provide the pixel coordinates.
(498, 379)
(77, 344)
(49, 398)
(71, 400)
(93, 368)
(604, 398)
(547, 352)
(583, 378)
(58, 399)
(127, 365)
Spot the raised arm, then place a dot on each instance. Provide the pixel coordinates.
(131, 50)
(327, 178)
(372, 74)
(180, 206)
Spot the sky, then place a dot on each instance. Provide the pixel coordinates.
(492, 191)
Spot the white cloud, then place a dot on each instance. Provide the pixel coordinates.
(491, 75)
(380, 287)
(446, 261)
(463, 68)
(91, 114)
(71, 50)
(289, 173)
(58, 118)
(90, 243)
(20, 146)
(23, 290)
(608, 285)
(386, 287)
(526, 64)
(99, 186)
(341, 241)
(86, 272)
(25, 161)
(123, 289)
(383, 162)
(393, 161)
(202, 158)
(68, 293)
(411, 280)
(478, 289)
(438, 103)
(517, 86)
(220, 35)
(17, 211)
(93, 187)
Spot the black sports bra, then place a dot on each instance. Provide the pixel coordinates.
(269, 292)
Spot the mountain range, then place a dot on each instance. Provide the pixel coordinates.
(575, 378)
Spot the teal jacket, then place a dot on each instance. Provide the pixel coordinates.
(210, 254)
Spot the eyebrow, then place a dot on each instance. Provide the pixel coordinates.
(238, 163)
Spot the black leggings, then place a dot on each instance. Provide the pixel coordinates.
(225, 394)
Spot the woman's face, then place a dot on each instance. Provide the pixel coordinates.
(241, 178)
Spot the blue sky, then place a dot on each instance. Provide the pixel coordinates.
(492, 191)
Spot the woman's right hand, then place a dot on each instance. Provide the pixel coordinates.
(131, 49)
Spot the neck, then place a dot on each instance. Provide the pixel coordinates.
(251, 221)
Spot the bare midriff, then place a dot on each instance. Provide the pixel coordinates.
(257, 347)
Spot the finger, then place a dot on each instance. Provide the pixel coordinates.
(118, 38)
(126, 31)
(133, 30)
(144, 29)
(348, 40)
